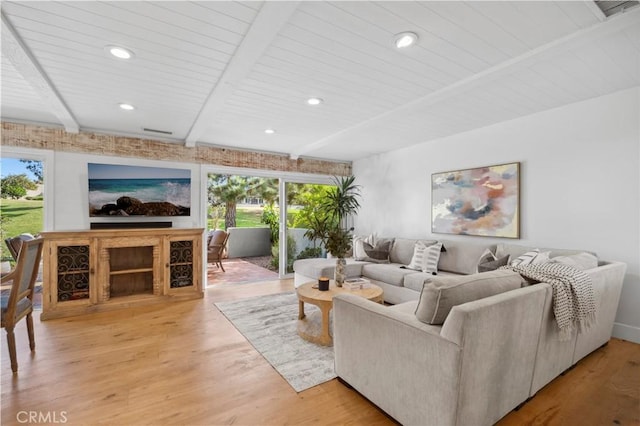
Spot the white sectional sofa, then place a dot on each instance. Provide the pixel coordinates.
(488, 356)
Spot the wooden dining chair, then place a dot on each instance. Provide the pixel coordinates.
(215, 249)
(19, 303)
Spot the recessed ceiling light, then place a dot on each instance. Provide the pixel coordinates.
(314, 101)
(405, 39)
(119, 52)
(269, 131)
(127, 107)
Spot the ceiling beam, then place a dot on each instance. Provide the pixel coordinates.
(595, 9)
(549, 50)
(14, 49)
(268, 22)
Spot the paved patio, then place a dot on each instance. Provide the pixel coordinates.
(238, 271)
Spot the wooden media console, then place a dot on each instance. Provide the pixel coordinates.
(101, 270)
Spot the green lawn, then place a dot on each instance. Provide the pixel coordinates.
(246, 217)
(19, 216)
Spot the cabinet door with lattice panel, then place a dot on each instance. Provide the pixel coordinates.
(184, 264)
(69, 273)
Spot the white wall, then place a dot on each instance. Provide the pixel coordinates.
(71, 186)
(580, 184)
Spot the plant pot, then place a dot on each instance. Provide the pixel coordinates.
(340, 274)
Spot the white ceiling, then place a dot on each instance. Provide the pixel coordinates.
(220, 72)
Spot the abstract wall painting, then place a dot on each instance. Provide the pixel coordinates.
(484, 201)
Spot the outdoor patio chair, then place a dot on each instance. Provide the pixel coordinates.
(14, 244)
(19, 303)
(216, 247)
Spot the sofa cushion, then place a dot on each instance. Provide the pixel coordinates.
(543, 257)
(515, 250)
(390, 273)
(418, 255)
(378, 253)
(425, 256)
(406, 307)
(402, 249)
(485, 257)
(417, 280)
(462, 257)
(525, 258)
(358, 245)
(493, 264)
(440, 294)
(430, 259)
(582, 261)
(316, 268)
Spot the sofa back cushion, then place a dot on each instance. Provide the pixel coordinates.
(581, 261)
(402, 250)
(440, 294)
(515, 250)
(462, 257)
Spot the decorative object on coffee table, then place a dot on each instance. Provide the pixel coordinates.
(340, 274)
(323, 284)
(484, 201)
(356, 283)
(318, 331)
(329, 224)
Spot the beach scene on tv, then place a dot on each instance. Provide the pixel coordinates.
(117, 190)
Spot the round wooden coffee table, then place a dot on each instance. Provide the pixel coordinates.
(307, 329)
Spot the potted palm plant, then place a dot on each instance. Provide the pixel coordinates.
(329, 224)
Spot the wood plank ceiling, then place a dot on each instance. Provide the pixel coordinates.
(222, 72)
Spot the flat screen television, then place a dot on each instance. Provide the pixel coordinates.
(117, 190)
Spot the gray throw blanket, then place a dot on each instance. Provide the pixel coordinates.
(574, 303)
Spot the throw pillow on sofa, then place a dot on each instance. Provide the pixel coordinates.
(422, 251)
(441, 294)
(378, 253)
(525, 259)
(543, 257)
(493, 264)
(430, 259)
(358, 245)
(487, 256)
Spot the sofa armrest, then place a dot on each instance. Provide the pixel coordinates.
(399, 363)
(607, 280)
(499, 338)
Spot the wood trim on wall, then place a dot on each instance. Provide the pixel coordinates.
(56, 139)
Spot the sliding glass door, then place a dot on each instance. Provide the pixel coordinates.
(301, 240)
(269, 217)
(246, 208)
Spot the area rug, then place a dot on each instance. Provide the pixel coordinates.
(270, 324)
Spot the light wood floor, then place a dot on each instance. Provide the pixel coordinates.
(186, 364)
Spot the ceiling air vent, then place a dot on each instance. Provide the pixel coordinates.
(611, 7)
(163, 132)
